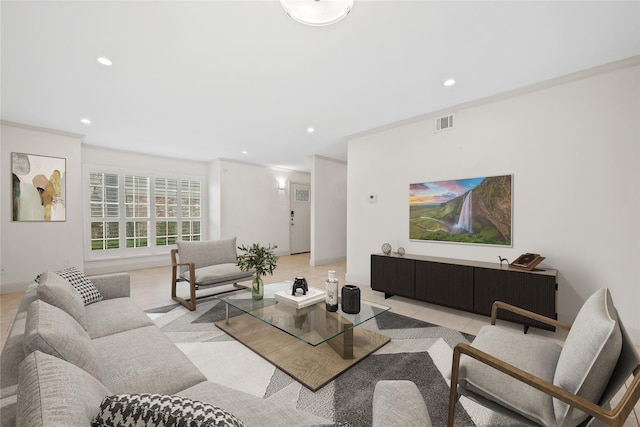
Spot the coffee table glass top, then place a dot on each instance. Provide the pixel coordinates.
(313, 324)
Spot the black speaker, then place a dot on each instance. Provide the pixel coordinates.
(351, 299)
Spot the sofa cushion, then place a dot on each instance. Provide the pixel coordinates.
(57, 291)
(52, 392)
(144, 360)
(152, 410)
(113, 316)
(52, 331)
(208, 252)
(589, 355)
(219, 273)
(514, 348)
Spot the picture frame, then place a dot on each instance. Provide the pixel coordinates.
(527, 261)
(470, 210)
(38, 187)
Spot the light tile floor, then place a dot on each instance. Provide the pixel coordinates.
(150, 288)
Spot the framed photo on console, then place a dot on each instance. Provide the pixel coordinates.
(527, 261)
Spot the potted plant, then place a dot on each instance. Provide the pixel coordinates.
(260, 258)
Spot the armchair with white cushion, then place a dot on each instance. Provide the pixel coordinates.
(204, 264)
(542, 381)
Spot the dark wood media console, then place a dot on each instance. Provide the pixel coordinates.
(471, 286)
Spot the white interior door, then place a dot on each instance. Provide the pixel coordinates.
(300, 218)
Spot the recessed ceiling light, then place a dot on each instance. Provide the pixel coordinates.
(86, 121)
(104, 61)
(245, 152)
(449, 82)
(317, 12)
(311, 129)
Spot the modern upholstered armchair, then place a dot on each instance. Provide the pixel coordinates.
(203, 265)
(540, 381)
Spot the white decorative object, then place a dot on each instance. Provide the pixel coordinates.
(331, 300)
(386, 248)
(313, 296)
(400, 251)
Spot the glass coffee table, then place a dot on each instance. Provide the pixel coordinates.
(313, 325)
(311, 344)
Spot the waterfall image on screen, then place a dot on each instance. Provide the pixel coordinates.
(472, 210)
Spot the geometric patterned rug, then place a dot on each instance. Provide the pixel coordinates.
(418, 351)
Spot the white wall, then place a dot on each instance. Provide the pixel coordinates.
(28, 248)
(250, 206)
(115, 160)
(328, 211)
(573, 150)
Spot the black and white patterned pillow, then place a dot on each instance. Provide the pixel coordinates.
(81, 283)
(159, 410)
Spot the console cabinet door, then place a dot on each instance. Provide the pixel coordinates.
(445, 284)
(534, 292)
(392, 275)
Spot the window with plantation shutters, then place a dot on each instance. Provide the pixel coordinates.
(166, 210)
(105, 211)
(133, 212)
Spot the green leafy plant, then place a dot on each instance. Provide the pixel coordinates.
(261, 258)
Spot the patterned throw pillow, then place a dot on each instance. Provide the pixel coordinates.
(81, 283)
(158, 410)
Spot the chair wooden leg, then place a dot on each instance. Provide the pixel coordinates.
(453, 391)
(190, 303)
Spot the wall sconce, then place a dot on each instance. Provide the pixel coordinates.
(282, 185)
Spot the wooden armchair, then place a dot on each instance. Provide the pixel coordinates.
(205, 264)
(538, 380)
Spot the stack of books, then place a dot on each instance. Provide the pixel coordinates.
(313, 296)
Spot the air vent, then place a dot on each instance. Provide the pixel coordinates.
(444, 123)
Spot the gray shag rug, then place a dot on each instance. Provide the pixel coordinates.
(418, 351)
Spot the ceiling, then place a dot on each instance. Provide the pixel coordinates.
(208, 79)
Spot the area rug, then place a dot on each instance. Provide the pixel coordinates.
(418, 351)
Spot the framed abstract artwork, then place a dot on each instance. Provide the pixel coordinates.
(472, 210)
(38, 187)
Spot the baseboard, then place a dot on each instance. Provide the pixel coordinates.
(323, 261)
(12, 288)
(125, 264)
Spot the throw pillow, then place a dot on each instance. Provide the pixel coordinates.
(589, 355)
(81, 283)
(158, 410)
(57, 291)
(206, 252)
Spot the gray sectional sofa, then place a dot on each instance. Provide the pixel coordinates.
(62, 358)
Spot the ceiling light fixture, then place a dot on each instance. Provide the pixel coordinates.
(104, 61)
(86, 121)
(449, 82)
(317, 12)
(245, 152)
(311, 129)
